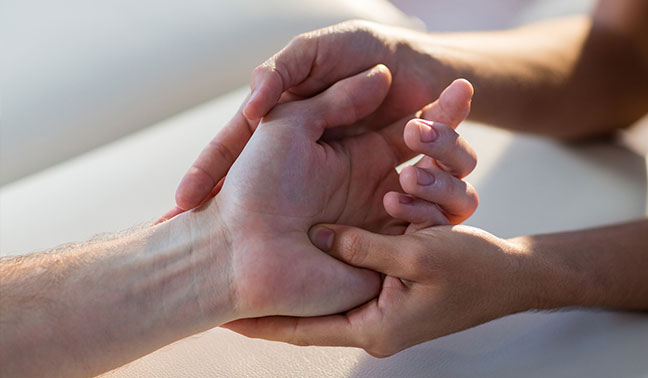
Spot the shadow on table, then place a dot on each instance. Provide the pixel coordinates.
(563, 344)
(541, 186)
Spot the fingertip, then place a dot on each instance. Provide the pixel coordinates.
(382, 71)
(267, 87)
(321, 237)
(399, 205)
(457, 96)
(465, 86)
(418, 133)
(193, 188)
(408, 178)
(391, 203)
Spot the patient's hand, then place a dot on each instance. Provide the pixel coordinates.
(309, 64)
(288, 179)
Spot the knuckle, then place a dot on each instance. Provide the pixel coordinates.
(220, 152)
(299, 39)
(384, 345)
(355, 23)
(421, 259)
(444, 185)
(354, 248)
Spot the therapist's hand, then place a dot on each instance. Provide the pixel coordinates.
(309, 64)
(439, 280)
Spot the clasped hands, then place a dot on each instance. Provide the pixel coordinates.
(299, 181)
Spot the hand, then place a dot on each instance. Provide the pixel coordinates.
(287, 179)
(439, 281)
(309, 64)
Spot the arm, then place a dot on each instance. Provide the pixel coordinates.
(570, 78)
(574, 77)
(84, 309)
(446, 279)
(599, 267)
(88, 308)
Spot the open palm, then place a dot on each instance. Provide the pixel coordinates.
(287, 179)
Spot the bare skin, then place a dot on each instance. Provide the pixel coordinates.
(445, 279)
(577, 77)
(88, 308)
(571, 78)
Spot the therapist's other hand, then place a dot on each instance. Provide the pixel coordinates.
(309, 64)
(439, 281)
(434, 190)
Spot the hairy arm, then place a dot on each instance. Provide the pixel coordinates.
(85, 309)
(574, 77)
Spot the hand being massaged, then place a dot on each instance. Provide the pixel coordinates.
(288, 178)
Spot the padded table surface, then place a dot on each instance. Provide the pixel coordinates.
(526, 185)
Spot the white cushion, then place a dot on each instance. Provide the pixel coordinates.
(76, 74)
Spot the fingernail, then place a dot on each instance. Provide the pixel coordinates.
(427, 133)
(423, 177)
(405, 200)
(321, 237)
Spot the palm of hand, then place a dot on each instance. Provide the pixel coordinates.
(285, 181)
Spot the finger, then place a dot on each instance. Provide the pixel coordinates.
(386, 254)
(213, 162)
(169, 215)
(452, 106)
(457, 198)
(413, 210)
(451, 152)
(285, 69)
(342, 104)
(393, 136)
(332, 330)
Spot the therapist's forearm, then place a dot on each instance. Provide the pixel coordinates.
(86, 309)
(600, 267)
(566, 78)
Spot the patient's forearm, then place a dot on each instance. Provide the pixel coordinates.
(565, 78)
(600, 267)
(86, 309)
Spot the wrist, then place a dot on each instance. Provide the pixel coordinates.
(421, 58)
(438, 63)
(550, 280)
(208, 251)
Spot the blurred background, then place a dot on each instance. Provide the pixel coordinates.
(78, 74)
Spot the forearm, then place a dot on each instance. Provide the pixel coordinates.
(566, 78)
(87, 309)
(601, 267)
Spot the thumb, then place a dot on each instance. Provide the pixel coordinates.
(452, 106)
(382, 253)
